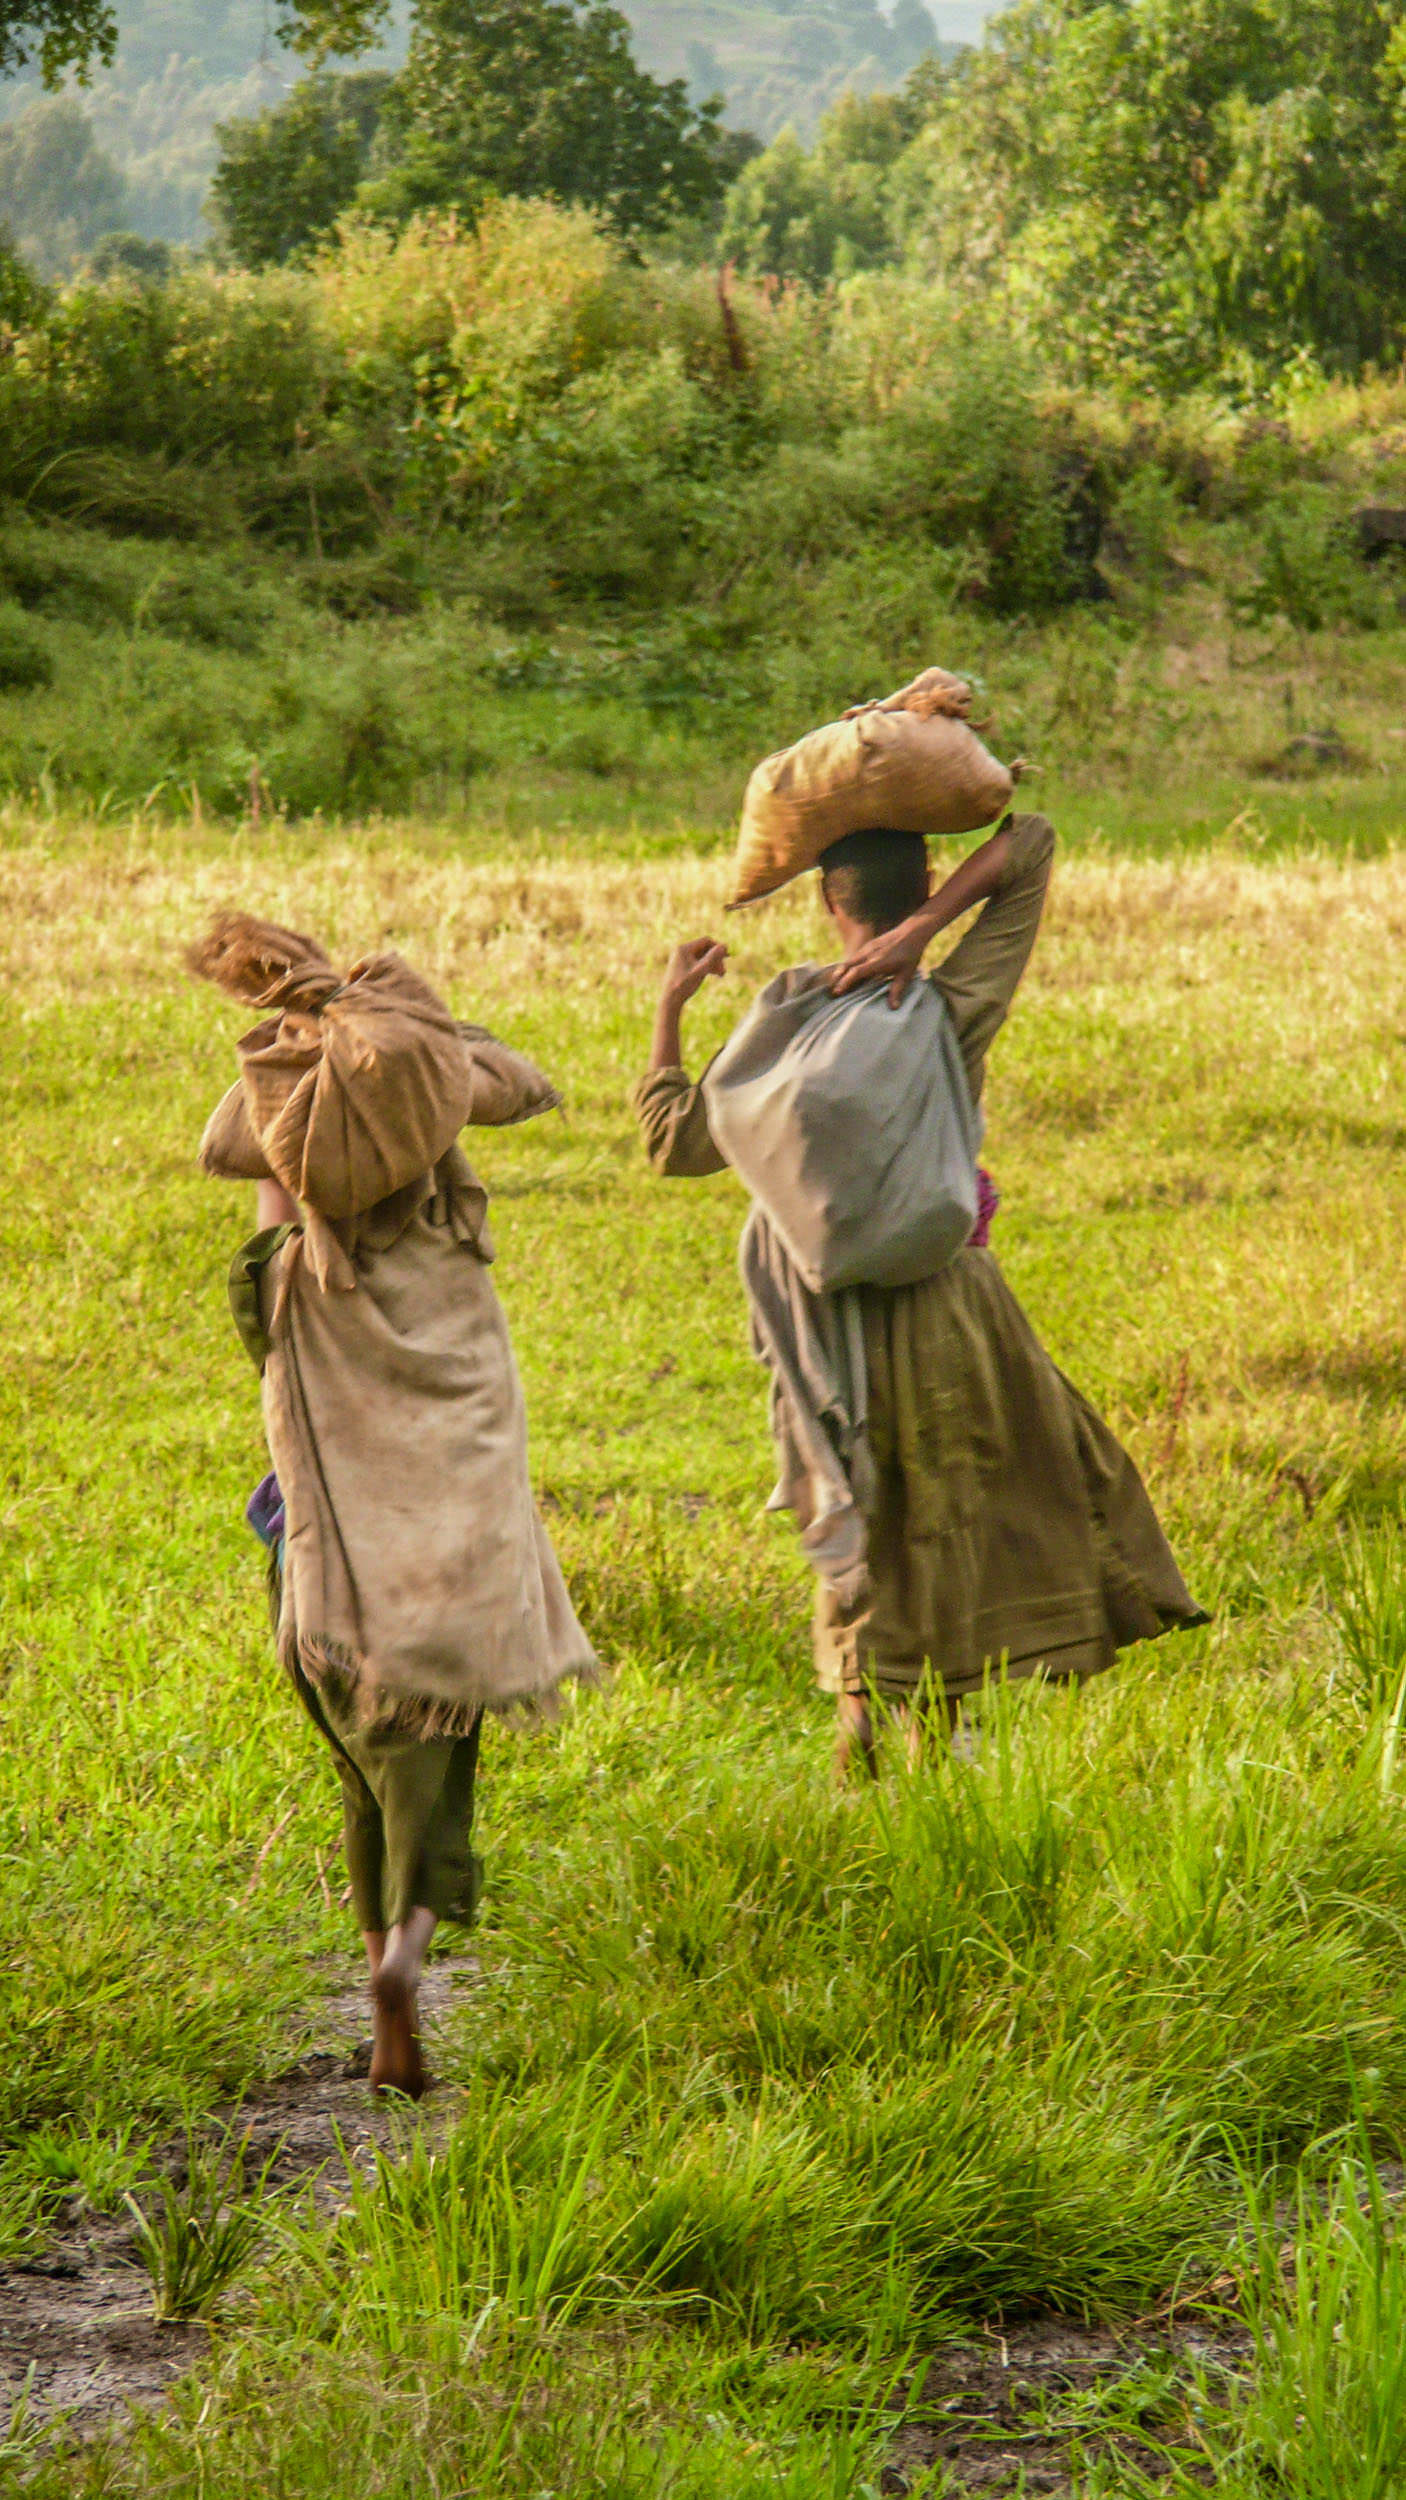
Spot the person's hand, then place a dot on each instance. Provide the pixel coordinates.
(690, 965)
(895, 956)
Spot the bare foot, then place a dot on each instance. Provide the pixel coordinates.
(396, 2062)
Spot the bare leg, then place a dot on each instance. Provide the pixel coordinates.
(382, 2045)
(855, 1741)
(396, 2062)
(929, 1720)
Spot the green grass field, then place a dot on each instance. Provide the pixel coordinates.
(760, 2095)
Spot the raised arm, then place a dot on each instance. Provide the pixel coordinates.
(980, 977)
(276, 1207)
(672, 1114)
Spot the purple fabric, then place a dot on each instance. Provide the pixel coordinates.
(988, 1198)
(264, 1511)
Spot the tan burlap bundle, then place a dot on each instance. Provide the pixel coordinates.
(414, 1561)
(354, 1086)
(912, 763)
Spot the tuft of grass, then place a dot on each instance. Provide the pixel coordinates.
(1319, 2413)
(79, 2158)
(197, 2234)
(1368, 1600)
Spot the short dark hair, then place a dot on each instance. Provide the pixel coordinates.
(878, 877)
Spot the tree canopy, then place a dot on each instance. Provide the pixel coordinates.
(59, 190)
(1156, 187)
(285, 175)
(544, 98)
(499, 98)
(56, 37)
(69, 38)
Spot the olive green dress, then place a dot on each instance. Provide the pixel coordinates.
(1009, 1527)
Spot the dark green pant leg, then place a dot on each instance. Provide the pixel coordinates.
(407, 1812)
(426, 1794)
(363, 1831)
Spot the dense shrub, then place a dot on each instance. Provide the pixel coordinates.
(24, 659)
(317, 511)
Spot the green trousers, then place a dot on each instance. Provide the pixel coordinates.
(407, 1811)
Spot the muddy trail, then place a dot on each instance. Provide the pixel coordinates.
(1025, 2408)
(77, 2335)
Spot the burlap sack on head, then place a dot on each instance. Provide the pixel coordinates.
(352, 1088)
(912, 763)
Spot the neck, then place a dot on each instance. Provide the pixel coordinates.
(853, 934)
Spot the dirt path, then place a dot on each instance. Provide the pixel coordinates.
(79, 2315)
(1010, 2412)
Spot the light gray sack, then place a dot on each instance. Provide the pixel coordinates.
(851, 1124)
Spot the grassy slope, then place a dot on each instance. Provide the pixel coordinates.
(180, 674)
(837, 2074)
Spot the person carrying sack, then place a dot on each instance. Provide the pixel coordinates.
(412, 1582)
(965, 1509)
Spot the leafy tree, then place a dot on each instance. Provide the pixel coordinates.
(22, 299)
(285, 175)
(61, 191)
(67, 37)
(544, 99)
(56, 36)
(122, 254)
(1172, 186)
(823, 212)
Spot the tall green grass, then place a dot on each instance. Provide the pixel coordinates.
(756, 2091)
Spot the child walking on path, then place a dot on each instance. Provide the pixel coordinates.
(1003, 1524)
(414, 1585)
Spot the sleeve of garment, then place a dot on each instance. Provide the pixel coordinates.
(980, 977)
(673, 1120)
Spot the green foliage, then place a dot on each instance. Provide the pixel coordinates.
(22, 298)
(61, 37)
(543, 99)
(61, 192)
(1308, 568)
(1321, 2414)
(1160, 193)
(1369, 1606)
(100, 2167)
(825, 212)
(286, 175)
(56, 36)
(131, 256)
(24, 656)
(314, 522)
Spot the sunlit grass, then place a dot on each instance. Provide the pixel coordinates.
(758, 2089)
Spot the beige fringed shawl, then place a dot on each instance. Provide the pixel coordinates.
(414, 1558)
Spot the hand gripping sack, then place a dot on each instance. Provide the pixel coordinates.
(851, 1124)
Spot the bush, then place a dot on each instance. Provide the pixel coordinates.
(1308, 569)
(24, 659)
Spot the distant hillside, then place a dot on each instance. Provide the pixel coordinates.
(783, 63)
(184, 65)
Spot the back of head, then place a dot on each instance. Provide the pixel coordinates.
(877, 878)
